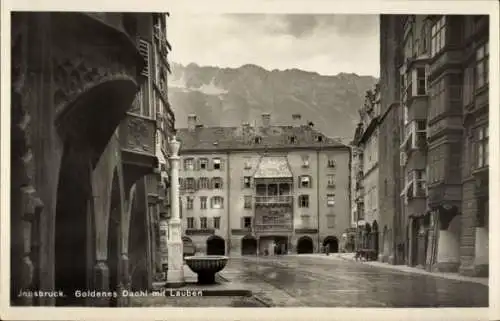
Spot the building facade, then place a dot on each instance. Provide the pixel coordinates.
(257, 190)
(83, 140)
(444, 133)
(391, 219)
(366, 140)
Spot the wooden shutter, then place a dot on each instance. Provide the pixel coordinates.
(221, 164)
(144, 49)
(212, 202)
(298, 181)
(209, 164)
(242, 222)
(221, 183)
(196, 164)
(310, 182)
(298, 200)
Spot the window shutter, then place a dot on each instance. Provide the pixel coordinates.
(221, 202)
(310, 181)
(209, 222)
(221, 183)
(196, 164)
(242, 222)
(209, 164)
(221, 164)
(298, 181)
(243, 182)
(144, 51)
(212, 202)
(298, 200)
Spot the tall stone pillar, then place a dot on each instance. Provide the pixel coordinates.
(175, 274)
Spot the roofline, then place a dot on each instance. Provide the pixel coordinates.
(261, 149)
(369, 130)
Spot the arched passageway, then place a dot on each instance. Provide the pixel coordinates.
(216, 245)
(333, 244)
(305, 245)
(74, 246)
(248, 245)
(188, 246)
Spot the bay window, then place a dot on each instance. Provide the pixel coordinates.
(419, 76)
(438, 36)
(482, 70)
(415, 135)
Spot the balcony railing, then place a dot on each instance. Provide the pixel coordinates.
(276, 199)
(272, 227)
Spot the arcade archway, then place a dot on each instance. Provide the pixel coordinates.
(216, 245)
(248, 245)
(305, 245)
(333, 244)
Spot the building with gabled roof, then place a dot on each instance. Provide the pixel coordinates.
(252, 190)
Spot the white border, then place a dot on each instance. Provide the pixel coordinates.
(254, 6)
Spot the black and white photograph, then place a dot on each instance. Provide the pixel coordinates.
(261, 160)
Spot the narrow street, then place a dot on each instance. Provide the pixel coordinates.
(288, 281)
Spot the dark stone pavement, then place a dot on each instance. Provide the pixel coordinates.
(288, 281)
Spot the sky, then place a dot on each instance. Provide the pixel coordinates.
(327, 44)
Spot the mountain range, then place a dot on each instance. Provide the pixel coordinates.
(231, 96)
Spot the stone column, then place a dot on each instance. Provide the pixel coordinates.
(163, 244)
(175, 274)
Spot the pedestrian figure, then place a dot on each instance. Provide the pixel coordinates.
(327, 249)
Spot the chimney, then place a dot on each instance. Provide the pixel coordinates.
(266, 120)
(192, 122)
(297, 120)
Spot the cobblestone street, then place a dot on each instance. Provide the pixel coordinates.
(288, 281)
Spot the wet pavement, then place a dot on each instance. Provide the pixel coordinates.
(288, 281)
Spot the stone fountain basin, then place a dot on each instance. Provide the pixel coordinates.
(206, 266)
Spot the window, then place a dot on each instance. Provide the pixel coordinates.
(189, 164)
(420, 188)
(204, 183)
(305, 161)
(420, 80)
(203, 202)
(331, 163)
(468, 88)
(258, 140)
(330, 221)
(438, 36)
(482, 69)
(292, 139)
(217, 164)
(248, 201)
(217, 222)
(181, 183)
(415, 135)
(438, 99)
(305, 181)
(319, 138)
(305, 219)
(247, 182)
(189, 202)
(248, 164)
(330, 200)
(420, 139)
(190, 222)
(203, 223)
(190, 183)
(217, 183)
(203, 164)
(247, 222)
(303, 201)
(482, 147)
(330, 180)
(217, 202)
